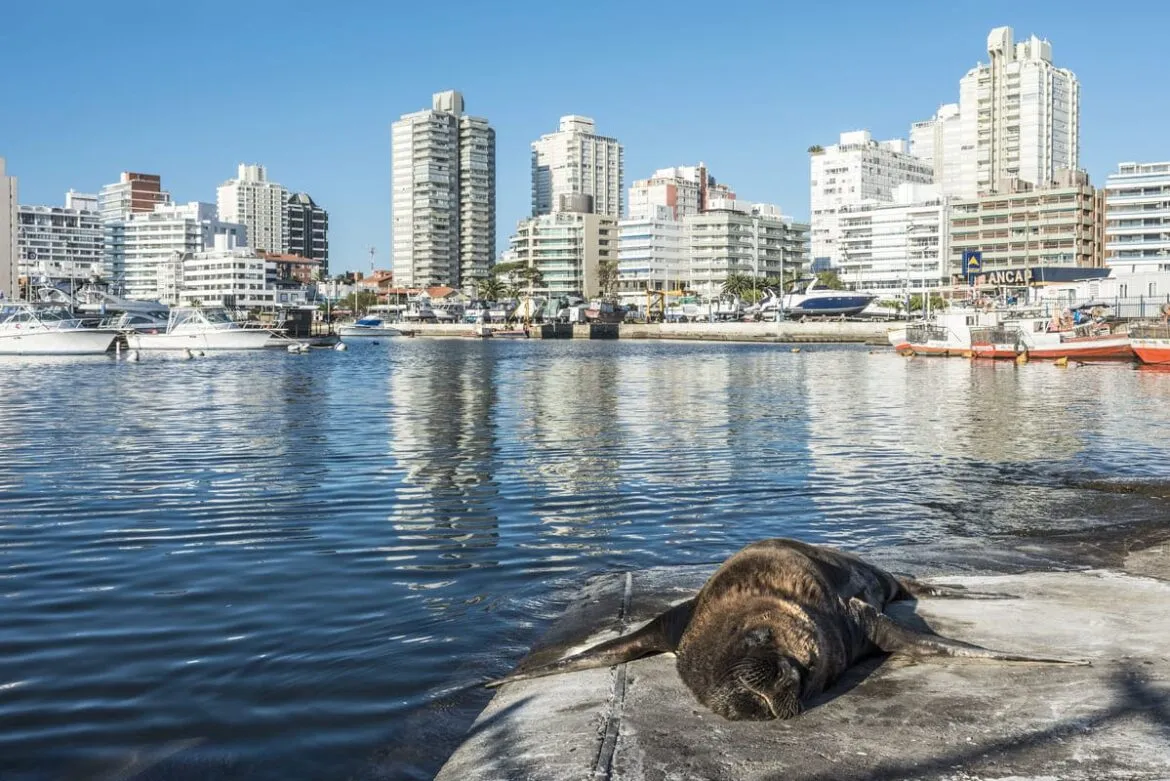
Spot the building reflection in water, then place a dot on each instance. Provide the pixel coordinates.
(442, 443)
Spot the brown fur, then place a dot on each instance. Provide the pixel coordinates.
(774, 627)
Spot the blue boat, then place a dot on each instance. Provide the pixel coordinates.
(818, 300)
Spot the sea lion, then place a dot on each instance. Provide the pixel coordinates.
(774, 627)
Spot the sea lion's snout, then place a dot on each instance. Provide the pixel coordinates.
(760, 688)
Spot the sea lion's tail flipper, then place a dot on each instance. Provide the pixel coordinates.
(659, 636)
(914, 589)
(893, 637)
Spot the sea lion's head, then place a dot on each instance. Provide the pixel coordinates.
(743, 673)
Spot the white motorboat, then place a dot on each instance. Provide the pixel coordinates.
(145, 321)
(29, 330)
(196, 328)
(369, 327)
(818, 300)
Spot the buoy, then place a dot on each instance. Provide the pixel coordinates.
(340, 347)
(1021, 359)
(1063, 361)
(969, 354)
(132, 356)
(187, 354)
(795, 349)
(294, 348)
(908, 353)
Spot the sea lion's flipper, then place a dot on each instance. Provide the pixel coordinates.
(661, 635)
(913, 589)
(893, 637)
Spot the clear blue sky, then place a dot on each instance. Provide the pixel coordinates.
(310, 88)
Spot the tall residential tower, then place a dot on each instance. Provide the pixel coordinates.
(1020, 116)
(444, 195)
(257, 204)
(8, 263)
(577, 161)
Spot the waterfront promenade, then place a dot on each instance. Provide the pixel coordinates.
(823, 331)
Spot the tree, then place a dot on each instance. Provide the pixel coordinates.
(737, 285)
(607, 278)
(490, 289)
(816, 149)
(936, 302)
(830, 280)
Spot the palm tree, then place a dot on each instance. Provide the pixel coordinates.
(490, 289)
(737, 285)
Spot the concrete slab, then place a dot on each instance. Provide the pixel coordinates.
(959, 720)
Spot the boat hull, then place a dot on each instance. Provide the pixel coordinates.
(1153, 352)
(80, 341)
(1108, 347)
(349, 333)
(827, 306)
(223, 339)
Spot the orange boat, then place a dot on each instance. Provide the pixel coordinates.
(1151, 343)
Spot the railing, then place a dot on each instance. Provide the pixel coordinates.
(1149, 331)
(920, 334)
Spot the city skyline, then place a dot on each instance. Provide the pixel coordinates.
(338, 147)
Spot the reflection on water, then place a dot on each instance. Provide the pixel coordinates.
(292, 564)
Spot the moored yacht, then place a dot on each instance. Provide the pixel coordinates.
(817, 300)
(200, 329)
(53, 330)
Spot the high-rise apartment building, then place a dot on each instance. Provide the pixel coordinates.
(444, 195)
(737, 237)
(652, 238)
(55, 243)
(8, 255)
(1020, 116)
(257, 204)
(901, 246)
(308, 229)
(133, 192)
(684, 189)
(938, 141)
(855, 170)
(1137, 216)
(577, 161)
(1028, 227)
(146, 242)
(570, 248)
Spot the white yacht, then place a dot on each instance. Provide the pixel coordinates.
(197, 328)
(369, 327)
(29, 330)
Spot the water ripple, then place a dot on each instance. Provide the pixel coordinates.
(293, 565)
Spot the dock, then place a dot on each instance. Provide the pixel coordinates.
(891, 717)
(794, 332)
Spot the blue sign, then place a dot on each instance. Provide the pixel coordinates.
(972, 264)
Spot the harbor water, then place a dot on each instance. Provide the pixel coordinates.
(273, 566)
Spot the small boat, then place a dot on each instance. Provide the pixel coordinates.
(946, 333)
(196, 328)
(31, 330)
(1150, 342)
(369, 327)
(1043, 338)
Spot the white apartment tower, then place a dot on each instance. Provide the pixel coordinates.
(146, 242)
(896, 248)
(855, 170)
(577, 161)
(1020, 116)
(443, 195)
(257, 204)
(8, 263)
(61, 243)
(938, 141)
(1137, 216)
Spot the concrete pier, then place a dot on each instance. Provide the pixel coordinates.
(941, 718)
(827, 331)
